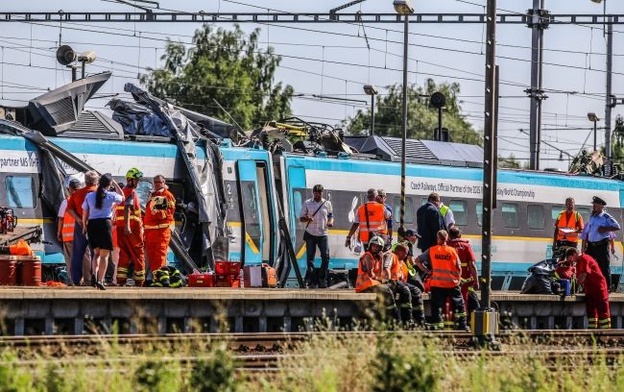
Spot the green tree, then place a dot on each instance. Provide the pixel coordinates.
(509, 162)
(421, 119)
(227, 66)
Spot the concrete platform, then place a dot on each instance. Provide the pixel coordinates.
(80, 310)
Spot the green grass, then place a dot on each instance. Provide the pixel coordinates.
(390, 362)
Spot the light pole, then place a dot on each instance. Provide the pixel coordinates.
(403, 7)
(593, 118)
(371, 90)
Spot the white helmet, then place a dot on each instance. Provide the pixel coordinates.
(376, 240)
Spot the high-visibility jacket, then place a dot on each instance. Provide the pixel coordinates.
(159, 210)
(396, 268)
(135, 211)
(445, 266)
(369, 266)
(572, 221)
(444, 210)
(67, 230)
(376, 222)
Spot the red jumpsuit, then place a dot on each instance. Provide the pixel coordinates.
(596, 292)
(466, 256)
(157, 223)
(131, 248)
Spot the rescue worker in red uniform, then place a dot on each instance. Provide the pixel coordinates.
(469, 274)
(130, 232)
(371, 219)
(595, 287)
(369, 275)
(408, 297)
(157, 223)
(445, 281)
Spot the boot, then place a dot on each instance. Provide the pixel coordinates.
(321, 278)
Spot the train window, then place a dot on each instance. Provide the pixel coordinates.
(251, 210)
(423, 201)
(479, 212)
(20, 191)
(459, 212)
(409, 208)
(555, 210)
(510, 215)
(535, 217)
(298, 202)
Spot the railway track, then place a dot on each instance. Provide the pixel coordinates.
(276, 343)
(255, 353)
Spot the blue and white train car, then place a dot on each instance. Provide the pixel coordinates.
(523, 222)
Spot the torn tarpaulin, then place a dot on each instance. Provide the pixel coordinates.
(137, 119)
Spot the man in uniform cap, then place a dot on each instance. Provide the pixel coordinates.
(596, 235)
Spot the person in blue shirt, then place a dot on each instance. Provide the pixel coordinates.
(98, 210)
(596, 235)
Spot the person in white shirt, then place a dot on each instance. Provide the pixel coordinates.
(318, 216)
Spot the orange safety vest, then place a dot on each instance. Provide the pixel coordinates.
(67, 230)
(575, 221)
(396, 269)
(135, 213)
(376, 220)
(404, 271)
(364, 276)
(445, 267)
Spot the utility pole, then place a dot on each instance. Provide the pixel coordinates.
(485, 324)
(609, 104)
(538, 20)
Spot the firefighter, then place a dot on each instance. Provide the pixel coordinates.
(595, 288)
(369, 275)
(130, 231)
(157, 223)
(445, 281)
(410, 299)
(469, 274)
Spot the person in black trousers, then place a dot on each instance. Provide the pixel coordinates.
(429, 221)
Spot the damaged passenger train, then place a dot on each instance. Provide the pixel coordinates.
(240, 201)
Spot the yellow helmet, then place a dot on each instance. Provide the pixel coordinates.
(134, 173)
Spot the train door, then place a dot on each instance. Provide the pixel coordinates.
(253, 211)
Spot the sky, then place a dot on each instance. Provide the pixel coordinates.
(337, 59)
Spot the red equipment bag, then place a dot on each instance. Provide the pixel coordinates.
(269, 276)
(201, 279)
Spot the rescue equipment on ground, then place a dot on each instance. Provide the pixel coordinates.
(202, 279)
(541, 279)
(167, 276)
(269, 276)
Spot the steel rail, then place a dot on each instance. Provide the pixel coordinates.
(272, 342)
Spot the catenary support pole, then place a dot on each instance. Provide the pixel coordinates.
(609, 103)
(485, 322)
(537, 20)
(404, 122)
